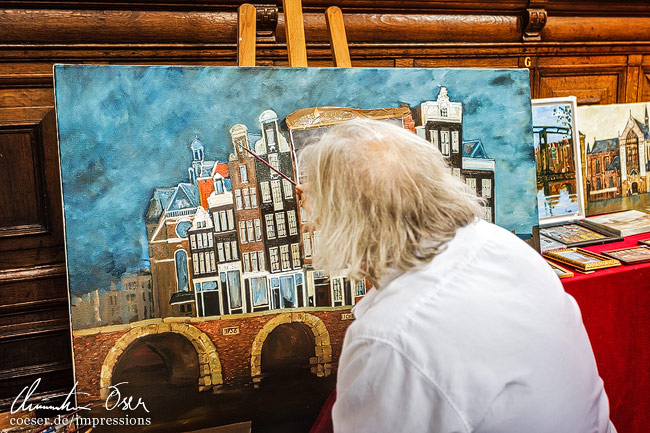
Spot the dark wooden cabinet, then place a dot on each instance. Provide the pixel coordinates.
(598, 51)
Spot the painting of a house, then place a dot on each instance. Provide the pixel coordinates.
(190, 260)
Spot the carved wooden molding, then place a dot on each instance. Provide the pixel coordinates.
(267, 21)
(535, 19)
(32, 273)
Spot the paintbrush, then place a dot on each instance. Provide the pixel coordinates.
(270, 166)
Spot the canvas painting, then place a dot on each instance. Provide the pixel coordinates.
(615, 146)
(189, 257)
(557, 158)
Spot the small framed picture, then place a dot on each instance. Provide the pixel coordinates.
(559, 270)
(645, 242)
(581, 260)
(630, 255)
(577, 234)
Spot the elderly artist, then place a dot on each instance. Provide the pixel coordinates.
(468, 329)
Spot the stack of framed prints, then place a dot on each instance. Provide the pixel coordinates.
(582, 260)
(626, 223)
(560, 198)
(630, 255)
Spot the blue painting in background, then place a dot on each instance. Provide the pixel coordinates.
(126, 130)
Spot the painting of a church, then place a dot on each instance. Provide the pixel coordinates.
(615, 142)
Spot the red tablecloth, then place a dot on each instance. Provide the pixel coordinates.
(615, 305)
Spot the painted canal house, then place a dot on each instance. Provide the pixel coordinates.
(441, 123)
(279, 214)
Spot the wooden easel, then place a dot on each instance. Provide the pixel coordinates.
(295, 34)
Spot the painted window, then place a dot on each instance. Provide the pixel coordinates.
(222, 256)
(201, 263)
(288, 291)
(284, 257)
(444, 142)
(238, 198)
(270, 135)
(195, 262)
(253, 197)
(275, 259)
(259, 292)
(288, 188)
(260, 260)
(486, 188)
(243, 173)
(487, 213)
(218, 186)
(217, 223)
(209, 239)
(227, 222)
(247, 262)
(182, 282)
(254, 267)
(199, 240)
(434, 138)
(249, 228)
(471, 183)
(277, 195)
(282, 226)
(270, 227)
(610, 182)
(599, 184)
(360, 288)
(193, 241)
(295, 255)
(258, 230)
(213, 265)
(306, 244)
(293, 223)
(182, 228)
(598, 166)
(455, 144)
(266, 192)
(235, 249)
(273, 161)
(226, 247)
(337, 292)
(455, 172)
(247, 198)
(234, 289)
(242, 232)
(304, 216)
(444, 112)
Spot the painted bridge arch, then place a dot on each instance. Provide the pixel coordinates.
(210, 373)
(322, 348)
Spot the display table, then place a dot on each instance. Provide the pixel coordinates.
(615, 306)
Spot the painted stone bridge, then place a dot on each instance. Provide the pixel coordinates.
(228, 348)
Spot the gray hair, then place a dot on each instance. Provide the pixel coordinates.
(382, 199)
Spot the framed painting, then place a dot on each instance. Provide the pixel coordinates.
(557, 159)
(581, 260)
(615, 144)
(577, 233)
(630, 255)
(189, 259)
(559, 270)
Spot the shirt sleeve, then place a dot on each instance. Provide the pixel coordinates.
(379, 390)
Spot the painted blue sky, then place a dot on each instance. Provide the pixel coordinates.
(125, 130)
(543, 116)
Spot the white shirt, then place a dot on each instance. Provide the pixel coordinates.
(482, 339)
